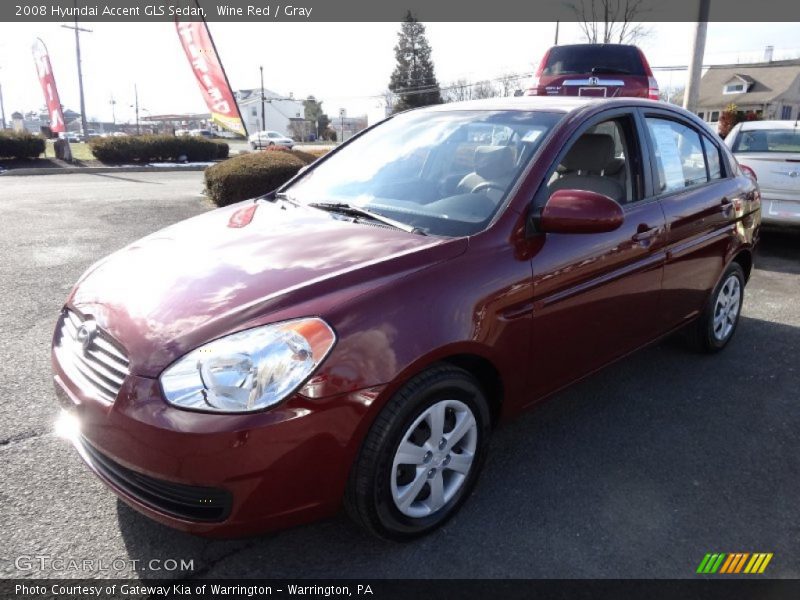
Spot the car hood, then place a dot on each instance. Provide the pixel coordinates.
(202, 278)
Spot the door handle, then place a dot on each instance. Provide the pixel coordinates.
(645, 233)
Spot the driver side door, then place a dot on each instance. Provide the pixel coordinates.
(596, 296)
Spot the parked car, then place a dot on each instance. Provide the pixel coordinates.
(771, 150)
(264, 139)
(71, 136)
(355, 336)
(91, 133)
(607, 70)
(205, 133)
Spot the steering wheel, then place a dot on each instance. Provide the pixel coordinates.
(487, 185)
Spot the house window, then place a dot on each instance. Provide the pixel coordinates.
(786, 113)
(734, 88)
(253, 112)
(702, 115)
(714, 116)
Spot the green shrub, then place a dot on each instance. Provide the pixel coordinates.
(20, 145)
(156, 148)
(249, 175)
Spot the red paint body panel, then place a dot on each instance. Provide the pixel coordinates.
(541, 310)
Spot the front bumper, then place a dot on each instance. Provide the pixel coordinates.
(254, 472)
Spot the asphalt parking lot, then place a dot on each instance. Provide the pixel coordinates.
(634, 473)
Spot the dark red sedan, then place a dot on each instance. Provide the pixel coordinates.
(354, 337)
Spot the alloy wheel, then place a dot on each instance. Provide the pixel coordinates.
(434, 458)
(726, 307)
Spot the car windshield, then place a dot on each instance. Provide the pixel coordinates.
(768, 140)
(594, 59)
(443, 173)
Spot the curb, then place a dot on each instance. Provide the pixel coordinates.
(95, 170)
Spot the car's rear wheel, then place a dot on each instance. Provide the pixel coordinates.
(254, 146)
(422, 455)
(716, 326)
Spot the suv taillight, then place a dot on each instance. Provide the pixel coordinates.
(652, 88)
(652, 84)
(534, 89)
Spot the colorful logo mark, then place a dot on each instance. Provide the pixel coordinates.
(737, 562)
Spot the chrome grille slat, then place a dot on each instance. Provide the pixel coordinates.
(99, 368)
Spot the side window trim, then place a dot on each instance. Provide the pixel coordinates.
(644, 114)
(541, 195)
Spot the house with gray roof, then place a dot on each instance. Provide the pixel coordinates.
(770, 89)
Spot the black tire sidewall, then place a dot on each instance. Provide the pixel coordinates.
(395, 524)
(711, 339)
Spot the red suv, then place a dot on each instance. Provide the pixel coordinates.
(605, 70)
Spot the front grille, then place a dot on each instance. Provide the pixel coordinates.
(90, 357)
(193, 503)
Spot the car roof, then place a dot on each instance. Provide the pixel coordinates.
(562, 104)
(754, 125)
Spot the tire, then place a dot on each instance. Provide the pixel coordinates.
(254, 145)
(380, 476)
(715, 327)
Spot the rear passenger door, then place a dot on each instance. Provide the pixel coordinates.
(695, 192)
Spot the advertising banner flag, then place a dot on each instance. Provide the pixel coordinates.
(211, 78)
(45, 72)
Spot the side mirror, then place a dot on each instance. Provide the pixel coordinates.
(579, 211)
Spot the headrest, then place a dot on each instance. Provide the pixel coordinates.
(493, 162)
(591, 152)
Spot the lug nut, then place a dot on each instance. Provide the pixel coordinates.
(431, 473)
(442, 443)
(428, 456)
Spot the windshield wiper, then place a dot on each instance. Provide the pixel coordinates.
(358, 211)
(598, 70)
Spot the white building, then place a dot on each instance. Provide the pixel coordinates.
(279, 111)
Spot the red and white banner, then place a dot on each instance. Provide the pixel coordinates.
(210, 75)
(48, 81)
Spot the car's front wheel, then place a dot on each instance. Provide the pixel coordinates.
(422, 455)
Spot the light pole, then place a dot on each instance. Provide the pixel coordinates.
(263, 99)
(136, 108)
(113, 103)
(692, 93)
(80, 72)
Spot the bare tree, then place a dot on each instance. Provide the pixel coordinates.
(611, 21)
(508, 84)
(457, 91)
(484, 89)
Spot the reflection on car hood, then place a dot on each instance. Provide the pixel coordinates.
(194, 281)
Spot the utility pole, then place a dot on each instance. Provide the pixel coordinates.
(80, 73)
(556, 42)
(2, 110)
(692, 93)
(113, 103)
(263, 100)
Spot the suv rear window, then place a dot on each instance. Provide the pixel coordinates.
(600, 58)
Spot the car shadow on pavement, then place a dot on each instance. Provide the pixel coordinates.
(637, 471)
(779, 250)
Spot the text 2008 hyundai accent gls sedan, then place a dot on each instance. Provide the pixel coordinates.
(354, 337)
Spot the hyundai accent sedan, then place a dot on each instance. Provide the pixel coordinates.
(353, 338)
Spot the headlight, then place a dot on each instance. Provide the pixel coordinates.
(249, 370)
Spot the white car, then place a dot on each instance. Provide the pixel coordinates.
(771, 149)
(264, 139)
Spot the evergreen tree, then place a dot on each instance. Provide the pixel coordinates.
(413, 79)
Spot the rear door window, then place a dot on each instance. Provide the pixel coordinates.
(597, 58)
(679, 156)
